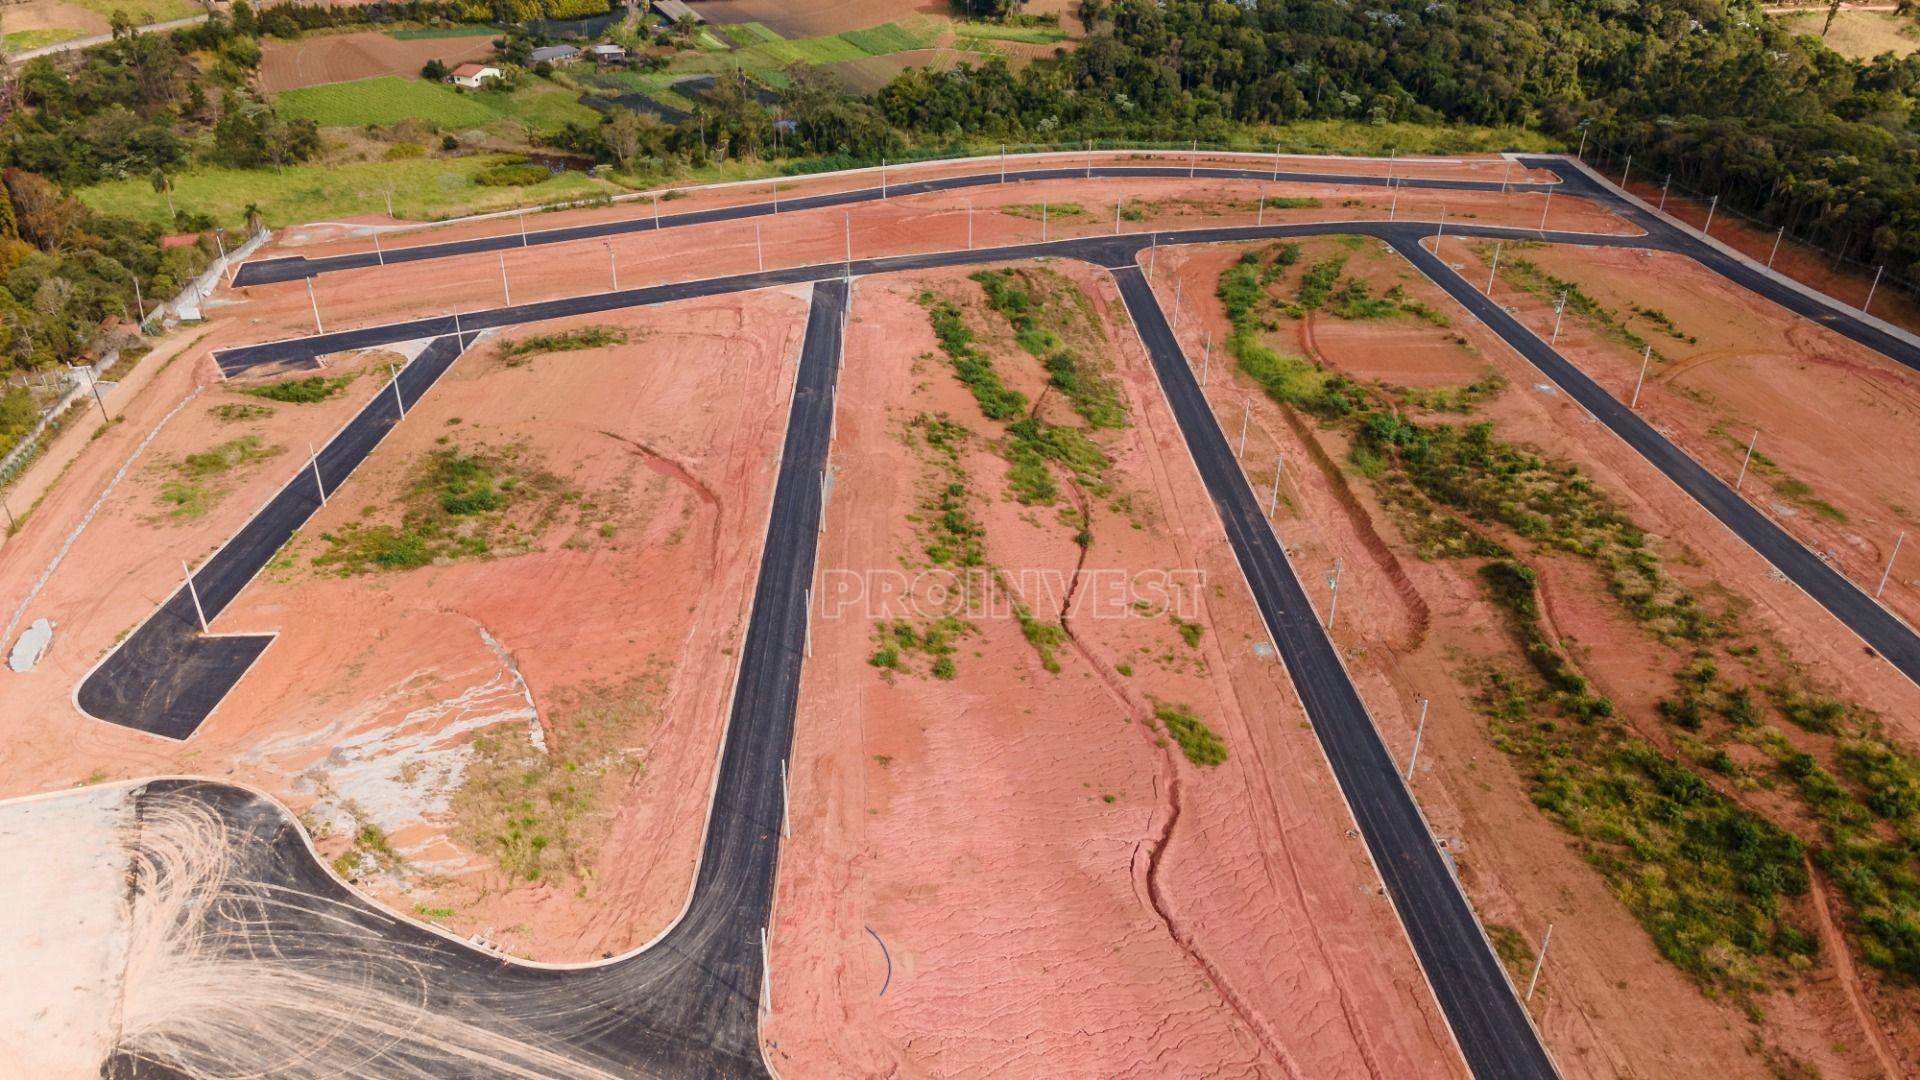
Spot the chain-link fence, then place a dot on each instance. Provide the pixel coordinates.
(1846, 278)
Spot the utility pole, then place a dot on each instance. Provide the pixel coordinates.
(1559, 313)
(1179, 284)
(1441, 234)
(1506, 172)
(1884, 574)
(786, 803)
(1333, 606)
(806, 608)
(1393, 204)
(1206, 363)
(1711, 207)
(1193, 158)
(1539, 961)
(1420, 730)
(1153, 249)
(1003, 163)
(398, 399)
(1544, 207)
(613, 266)
(377, 253)
(504, 287)
(1246, 412)
(1116, 213)
(1260, 215)
(523, 228)
(1624, 172)
(1043, 222)
(1637, 383)
(1748, 460)
(93, 384)
(1276, 162)
(313, 459)
(1777, 237)
(1491, 274)
(656, 211)
(883, 179)
(1581, 154)
(195, 594)
(1273, 500)
(847, 219)
(759, 252)
(766, 975)
(1089, 159)
(1663, 191)
(389, 200)
(141, 303)
(315, 301)
(1873, 288)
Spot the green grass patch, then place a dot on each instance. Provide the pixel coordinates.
(423, 189)
(891, 38)
(237, 412)
(307, 391)
(385, 99)
(750, 33)
(1034, 302)
(458, 506)
(195, 488)
(518, 351)
(19, 41)
(1037, 211)
(542, 815)
(1197, 740)
(434, 33)
(1028, 35)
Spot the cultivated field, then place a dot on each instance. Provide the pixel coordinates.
(333, 58)
(1862, 35)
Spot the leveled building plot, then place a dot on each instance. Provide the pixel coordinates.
(1830, 421)
(1634, 733)
(504, 646)
(1053, 797)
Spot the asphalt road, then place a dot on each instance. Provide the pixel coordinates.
(1487, 1019)
(293, 268)
(687, 1006)
(167, 677)
(736, 878)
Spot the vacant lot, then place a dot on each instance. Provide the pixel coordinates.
(385, 99)
(1861, 34)
(805, 18)
(289, 65)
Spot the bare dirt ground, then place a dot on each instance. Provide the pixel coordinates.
(1054, 886)
(387, 694)
(1734, 364)
(330, 58)
(1804, 264)
(311, 239)
(940, 222)
(1413, 628)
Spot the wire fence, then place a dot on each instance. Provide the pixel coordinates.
(1851, 280)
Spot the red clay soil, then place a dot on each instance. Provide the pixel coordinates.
(362, 710)
(937, 222)
(1056, 889)
(1801, 262)
(1832, 415)
(330, 58)
(1413, 629)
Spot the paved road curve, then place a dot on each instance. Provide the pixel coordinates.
(686, 1006)
(1488, 1021)
(1490, 1026)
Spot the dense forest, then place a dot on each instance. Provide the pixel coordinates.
(1712, 91)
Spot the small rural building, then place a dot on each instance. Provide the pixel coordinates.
(553, 54)
(675, 10)
(473, 76)
(607, 54)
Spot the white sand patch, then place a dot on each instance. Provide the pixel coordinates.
(63, 942)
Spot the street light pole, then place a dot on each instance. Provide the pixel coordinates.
(1888, 572)
(1418, 732)
(1645, 358)
(1746, 461)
